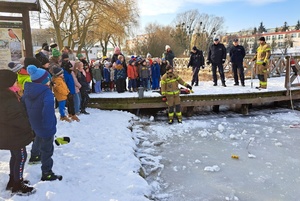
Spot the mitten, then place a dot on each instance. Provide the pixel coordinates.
(164, 99)
(62, 140)
(189, 87)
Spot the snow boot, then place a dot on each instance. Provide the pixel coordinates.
(34, 160)
(75, 118)
(170, 121)
(20, 188)
(50, 176)
(10, 183)
(65, 119)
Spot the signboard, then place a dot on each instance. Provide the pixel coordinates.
(10, 43)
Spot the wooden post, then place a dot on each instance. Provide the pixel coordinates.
(216, 108)
(287, 83)
(27, 34)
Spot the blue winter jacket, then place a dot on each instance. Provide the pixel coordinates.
(39, 102)
(69, 81)
(155, 71)
(106, 75)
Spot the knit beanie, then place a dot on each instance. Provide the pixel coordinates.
(55, 52)
(32, 61)
(57, 71)
(14, 67)
(167, 47)
(38, 75)
(7, 78)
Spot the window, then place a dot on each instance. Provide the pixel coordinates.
(293, 35)
(280, 44)
(268, 37)
(280, 36)
(274, 37)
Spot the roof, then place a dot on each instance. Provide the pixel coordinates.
(18, 6)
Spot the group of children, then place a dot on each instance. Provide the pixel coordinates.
(111, 75)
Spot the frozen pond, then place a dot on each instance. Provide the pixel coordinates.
(193, 161)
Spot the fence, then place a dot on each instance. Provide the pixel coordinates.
(279, 66)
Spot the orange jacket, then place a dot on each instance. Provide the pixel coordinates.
(60, 88)
(132, 72)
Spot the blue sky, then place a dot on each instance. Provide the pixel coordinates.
(238, 14)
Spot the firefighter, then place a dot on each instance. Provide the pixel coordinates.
(170, 92)
(261, 57)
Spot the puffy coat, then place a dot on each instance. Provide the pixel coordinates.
(106, 74)
(196, 59)
(144, 71)
(216, 53)
(39, 102)
(237, 54)
(169, 84)
(82, 80)
(69, 81)
(15, 128)
(97, 74)
(155, 70)
(60, 88)
(132, 72)
(120, 72)
(169, 56)
(77, 84)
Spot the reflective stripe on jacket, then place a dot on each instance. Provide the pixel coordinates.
(169, 84)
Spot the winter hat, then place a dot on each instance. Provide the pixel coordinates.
(118, 62)
(44, 44)
(96, 63)
(57, 71)
(163, 59)
(7, 78)
(235, 40)
(167, 47)
(79, 55)
(53, 45)
(194, 48)
(44, 60)
(262, 39)
(55, 52)
(32, 61)
(46, 48)
(107, 63)
(64, 56)
(14, 67)
(216, 39)
(116, 49)
(38, 75)
(148, 55)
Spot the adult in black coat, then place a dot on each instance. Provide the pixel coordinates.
(168, 55)
(237, 54)
(196, 61)
(217, 57)
(15, 133)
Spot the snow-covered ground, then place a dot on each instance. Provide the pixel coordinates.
(189, 161)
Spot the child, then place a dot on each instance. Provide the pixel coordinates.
(15, 134)
(106, 75)
(132, 75)
(112, 78)
(97, 76)
(155, 74)
(120, 74)
(144, 74)
(170, 92)
(39, 102)
(61, 92)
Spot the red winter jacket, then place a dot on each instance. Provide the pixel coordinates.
(132, 72)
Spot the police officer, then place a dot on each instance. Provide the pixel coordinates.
(237, 54)
(196, 61)
(217, 57)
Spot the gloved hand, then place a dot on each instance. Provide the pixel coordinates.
(264, 63)
(62, 140)
(208, 62)
(203, 67)
(223, 61)
(189, 87)
(164, 99)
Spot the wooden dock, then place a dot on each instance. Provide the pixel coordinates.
(239, 100)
